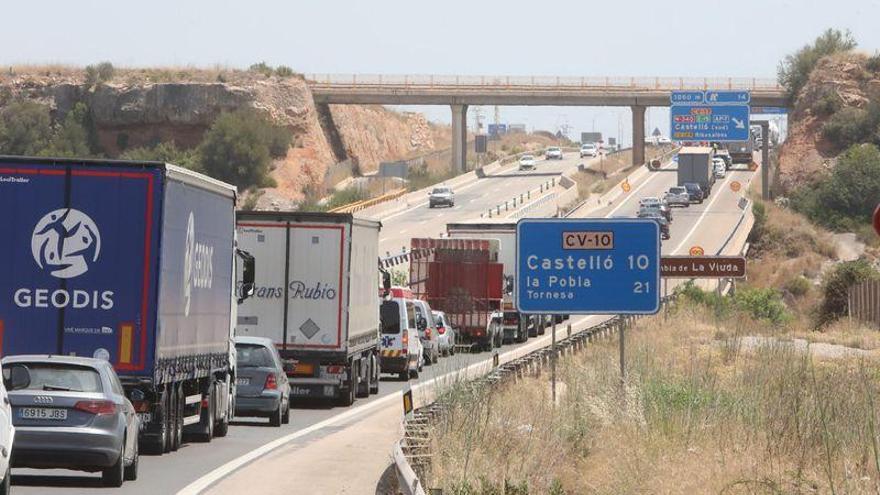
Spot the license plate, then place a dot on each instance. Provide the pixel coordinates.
(243, 381)
(42, 413)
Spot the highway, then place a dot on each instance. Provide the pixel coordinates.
(312, 448)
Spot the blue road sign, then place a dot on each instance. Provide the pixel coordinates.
(587, 266)
(722, 97)
(687, 97)
(709, 122)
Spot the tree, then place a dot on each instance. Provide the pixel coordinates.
(25, 128)
(237, 149)
(795, 69)
(71, 139)
(166, 152)
(836, 288)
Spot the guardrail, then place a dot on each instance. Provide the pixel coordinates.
(463, 81)
(366, 203)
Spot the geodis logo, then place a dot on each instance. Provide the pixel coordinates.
(198, 264)
(64, 243)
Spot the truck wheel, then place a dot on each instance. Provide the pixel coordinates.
(206, 422)
(374, 373)
(222, 428)
(363, 387)
(167, 421)
(177, 407)
(348, 392)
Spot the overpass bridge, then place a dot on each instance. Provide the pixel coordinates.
(459, 92)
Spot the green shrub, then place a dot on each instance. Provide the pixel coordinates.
(762, 304)
(846, 127)
(345, 197)
(25, 128)
(798, 286)
(166, 152)
(98, 74)
(846, 199)
(284, 71)
(236, 149)
(279, 141)
(873, 63)
(760, 213)
(794, 70)
(836, 285)
(262, 68)
(828, 103)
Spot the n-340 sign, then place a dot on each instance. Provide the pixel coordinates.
(581, 266)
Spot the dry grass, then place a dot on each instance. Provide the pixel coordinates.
(699, 414)
(134, 75)
(845, 332)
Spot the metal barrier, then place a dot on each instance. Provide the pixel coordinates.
(452, 81)
(360, 205)
(863, 302)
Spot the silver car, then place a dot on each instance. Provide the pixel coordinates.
(553, 153)
(71, 413)
(441, 195)
(677, 196)
(445, 334)
(261, 387)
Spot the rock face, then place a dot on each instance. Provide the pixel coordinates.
(133, 110)
(805, 153)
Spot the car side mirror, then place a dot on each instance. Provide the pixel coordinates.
(16, 377)
(422, 323)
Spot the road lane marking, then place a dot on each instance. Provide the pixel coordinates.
(703, 214)
(636, 190)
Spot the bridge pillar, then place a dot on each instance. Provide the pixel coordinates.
(459, 138)
(638, 134)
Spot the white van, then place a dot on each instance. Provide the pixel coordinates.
(400, 348)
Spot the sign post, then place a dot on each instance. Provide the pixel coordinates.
(587, 266)
(710, 115)
(553, 362)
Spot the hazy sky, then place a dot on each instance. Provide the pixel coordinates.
(547, 37)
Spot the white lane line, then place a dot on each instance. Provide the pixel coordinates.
(208, 480)
(718, 194)
(403, 231)
(633, 192)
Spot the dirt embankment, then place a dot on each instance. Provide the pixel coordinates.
(142, 107)
(842, 80)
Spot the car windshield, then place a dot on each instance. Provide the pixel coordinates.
(527, 157)
(389, 317)
(62, 377)
(552, 149)
(677, 190)
(650, 201)
(253, 356)
(439, 190)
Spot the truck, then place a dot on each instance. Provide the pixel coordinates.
(517, 327)
(135, 263)
(695, 165)
(462, 278)
(316, 298)
(741, 151)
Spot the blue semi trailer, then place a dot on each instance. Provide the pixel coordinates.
(131, 262)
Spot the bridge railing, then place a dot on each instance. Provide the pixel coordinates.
(446, 81)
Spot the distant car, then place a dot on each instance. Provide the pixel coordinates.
(553, 153)
(400, 349)
(725, 156)
(719, 168)
(427, 331)
(71, 413)
(656, 203)
(661, 221)
(441, 195)
(589, 149)
(695, 192)
(445, 334)
(7, 431)
(527, 162)
(261, 387)
(663, 140)
(677, 196)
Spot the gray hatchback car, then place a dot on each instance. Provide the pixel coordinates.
(72, 414)
(261, 388)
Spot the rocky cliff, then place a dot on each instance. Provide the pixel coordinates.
(142, 107)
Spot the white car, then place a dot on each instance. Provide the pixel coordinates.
(719, 168)
(553, 153)
(445, 334)
(18, 378)
(589, 149)
(441, 195)
(677, 196)
(527, 162)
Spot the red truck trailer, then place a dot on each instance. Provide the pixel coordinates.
(463, 278)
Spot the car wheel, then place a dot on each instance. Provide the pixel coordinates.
(285, 417)
(404, 375)
(115, 474)
(131, 471)
(6, 486)
(277, 415)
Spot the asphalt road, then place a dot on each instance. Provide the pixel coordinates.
(706, 225)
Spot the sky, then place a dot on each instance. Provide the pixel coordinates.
(686, 38)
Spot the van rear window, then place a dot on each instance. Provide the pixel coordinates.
(389, 317)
